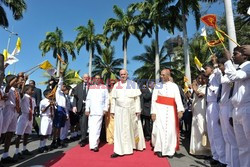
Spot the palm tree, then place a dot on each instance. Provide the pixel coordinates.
(106, 65)
(17, 7)
(86, 36)
(185, 7)
(125, 24)
(54, 41)
(147, 70)
(159, 14)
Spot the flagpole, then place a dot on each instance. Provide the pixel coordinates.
(8, 43)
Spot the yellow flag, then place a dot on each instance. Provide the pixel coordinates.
(77, 75)
(198, 63)
(5, 54)
(185, 84)
(18, 44)
(45, 65)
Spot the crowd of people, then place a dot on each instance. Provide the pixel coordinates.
(214, 111)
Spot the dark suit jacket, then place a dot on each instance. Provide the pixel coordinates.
(37, 95)
(146, 101)
(79, 96)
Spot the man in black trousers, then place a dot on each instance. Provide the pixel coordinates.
(146, 109)
(80, 94)
(38, 97)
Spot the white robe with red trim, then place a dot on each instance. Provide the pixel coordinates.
(164, 134)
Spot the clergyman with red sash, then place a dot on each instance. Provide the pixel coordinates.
(166, 109)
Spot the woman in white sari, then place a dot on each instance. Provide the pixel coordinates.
(199, 127)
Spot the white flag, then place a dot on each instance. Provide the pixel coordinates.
(203, 32)
(51, 71)
(11, 60)
(248, 11)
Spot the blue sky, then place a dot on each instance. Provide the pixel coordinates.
(44, 16)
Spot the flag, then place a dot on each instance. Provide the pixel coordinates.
(216, 42)
(198, 63)
(18, 47)
(210, 20)
(11, 60)
(5, 54)
(203, 32)
(77, 75)
(248, 11)
(185, 84)
(45, 65)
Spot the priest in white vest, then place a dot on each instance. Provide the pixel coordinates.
(166, 109)
(128, 133)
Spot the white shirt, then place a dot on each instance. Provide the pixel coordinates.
(11, 100)
(97, 99)
(213, 86)
(225, 91)
(43, 104)
(2, 102)
(25, 104)
(241, 93)
(60, 97)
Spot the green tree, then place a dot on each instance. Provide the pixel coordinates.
(18, 7)
(147, 70)
(54, 42)
(126, 24)
(86, 36)
(106, 65)
(158, 14)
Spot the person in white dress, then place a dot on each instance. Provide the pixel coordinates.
(96, 106)
(199, 125)
(166, 109)
(125, 106)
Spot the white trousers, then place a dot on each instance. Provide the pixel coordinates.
(10, 119)
(232, 152)
(215, 136)
(46, 126)
(95, 126)
(241, 119)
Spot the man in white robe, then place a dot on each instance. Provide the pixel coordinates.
(125, 106)
(96, 106)
(166, 108)
(240, 99)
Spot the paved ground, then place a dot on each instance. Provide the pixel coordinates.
(181, 159)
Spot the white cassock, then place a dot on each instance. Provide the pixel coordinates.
(226, 109)
(214, 131)
(166, 102)
(241, 112)
(46, 118)
(128, 133)
(96, 103)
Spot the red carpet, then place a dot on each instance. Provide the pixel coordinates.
(78, 156)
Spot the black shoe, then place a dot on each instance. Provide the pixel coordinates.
(96, 149)
(53, 145)
(222, 165)
(7, 160)
(46, 149)
(114, 155)
(15, 158)
(159, 154)
(170, 156)
(147, 138)
(41, 150)
(214, 162)
(63, 144)
(26, 152)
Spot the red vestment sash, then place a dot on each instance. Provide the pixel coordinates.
(171, 102)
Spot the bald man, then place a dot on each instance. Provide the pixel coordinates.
(166, 108)
(126, 108)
